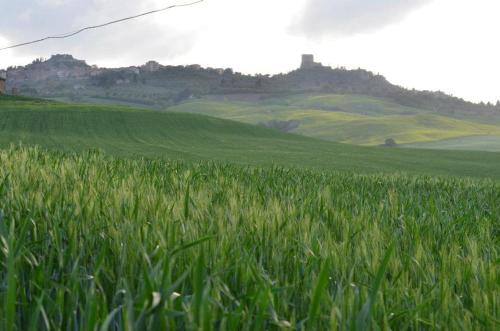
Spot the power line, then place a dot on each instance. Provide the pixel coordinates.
(71, 34)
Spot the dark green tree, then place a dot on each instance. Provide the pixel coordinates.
(390, 142)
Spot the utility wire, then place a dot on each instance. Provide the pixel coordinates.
(71, 34)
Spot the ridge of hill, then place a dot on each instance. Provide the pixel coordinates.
(155, 85)
(352, 119)
(130, 132)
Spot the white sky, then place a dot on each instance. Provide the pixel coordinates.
(447, 45)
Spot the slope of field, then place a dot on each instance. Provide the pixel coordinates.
(96, 243)
(131, 132)
(349, 119)
(485, 143)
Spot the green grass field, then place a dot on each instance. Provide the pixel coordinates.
(129, 219)
(352, 119)
(142, 133)
(90, 242)
(486, 143)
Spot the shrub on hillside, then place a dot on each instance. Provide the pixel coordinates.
(390, 142)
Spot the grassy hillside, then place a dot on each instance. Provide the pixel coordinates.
(350, 119)
(133, 132)
(485, 143)
(90, 242)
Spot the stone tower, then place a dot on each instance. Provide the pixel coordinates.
(308, 62)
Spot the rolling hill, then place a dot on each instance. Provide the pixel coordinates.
(133, 132)
(157, 86)
(349, 106)
(352, 119)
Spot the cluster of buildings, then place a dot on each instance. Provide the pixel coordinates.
(3, 84)
(3, 81)
(153, 66)
(68, 67)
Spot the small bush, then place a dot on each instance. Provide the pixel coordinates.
(390, 142)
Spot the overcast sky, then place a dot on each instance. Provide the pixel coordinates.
(447, 45)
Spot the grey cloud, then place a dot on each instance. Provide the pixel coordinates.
(347, 17)
(133, 41)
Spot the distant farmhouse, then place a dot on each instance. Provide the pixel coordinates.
(308, 62)
(3, 79)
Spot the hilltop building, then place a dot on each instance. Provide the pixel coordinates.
(151, 66)
(3, 80)
(308, 62)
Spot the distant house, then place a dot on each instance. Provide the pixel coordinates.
(3, 80)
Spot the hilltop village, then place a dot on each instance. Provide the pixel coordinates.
(155, 85)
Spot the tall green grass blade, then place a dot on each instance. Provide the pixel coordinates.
(318, 294)
(12, 285)
(110, 319)
(364, 316)
(190, 245)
